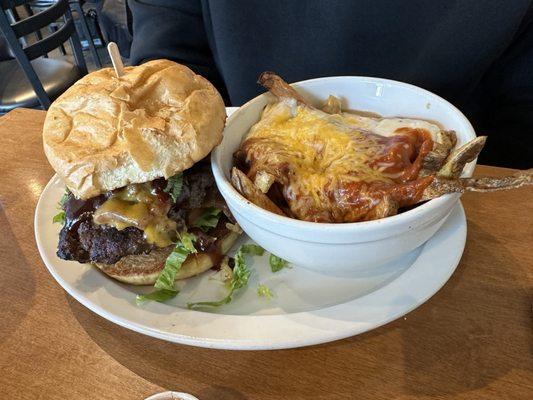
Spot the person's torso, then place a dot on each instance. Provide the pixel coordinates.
(443, 46)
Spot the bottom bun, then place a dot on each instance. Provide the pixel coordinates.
(143, 269)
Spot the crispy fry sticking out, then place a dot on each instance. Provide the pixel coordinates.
(441, 186)
(447, 138)
(491, 184)
(458, 158)
(247, 188)
(332, 105)
(442, 147)
(278, 87)
(263, 180)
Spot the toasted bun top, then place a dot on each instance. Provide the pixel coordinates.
(105, 132)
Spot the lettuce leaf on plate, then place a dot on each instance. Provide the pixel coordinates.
(277, 263)
(264, 291)
(241, 274)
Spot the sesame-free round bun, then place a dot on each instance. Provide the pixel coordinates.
(144, 269)
(105, 132)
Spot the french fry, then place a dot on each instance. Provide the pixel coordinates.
(441, 186)
(491, 184)
(246, 187)
(332, 105)
(447, 138)
(385, 208)
(263, 180)
(442, 147)
(456, 161)
(279, 88)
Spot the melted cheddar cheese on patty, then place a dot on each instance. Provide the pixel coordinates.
(137, 205)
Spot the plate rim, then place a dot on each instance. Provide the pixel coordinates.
(353, 328)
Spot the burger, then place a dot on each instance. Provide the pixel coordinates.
(140, 203)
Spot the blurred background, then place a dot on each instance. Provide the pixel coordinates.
(477, 56)
(38, 43)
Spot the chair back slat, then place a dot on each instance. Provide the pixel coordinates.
(40, 20)
(51, 42)
(14, 31)
(8, 4)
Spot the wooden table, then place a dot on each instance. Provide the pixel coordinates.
(472, 340)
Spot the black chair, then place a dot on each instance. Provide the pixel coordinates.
(76, 6)
(39, 80)
(5, 50)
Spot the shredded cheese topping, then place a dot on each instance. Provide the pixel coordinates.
(312, 150)
(337, 167)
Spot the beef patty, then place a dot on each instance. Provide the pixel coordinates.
(82, 240)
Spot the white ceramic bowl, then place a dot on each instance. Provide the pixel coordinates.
(349, 246)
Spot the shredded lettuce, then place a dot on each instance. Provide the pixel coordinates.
(165, 281)
(59, 218)
(208, 219)
(264, 291)
(252, 249)
(218, 303)
(174, 261)
(174, 186)
(241, 274)
(157, 295)
(64, 198)
(188, 239)
(277, 263)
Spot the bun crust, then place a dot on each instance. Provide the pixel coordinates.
(158, 119)
(144, 269)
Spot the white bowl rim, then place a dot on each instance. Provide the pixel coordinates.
(403, 219)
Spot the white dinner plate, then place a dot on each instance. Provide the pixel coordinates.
(307, 308)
